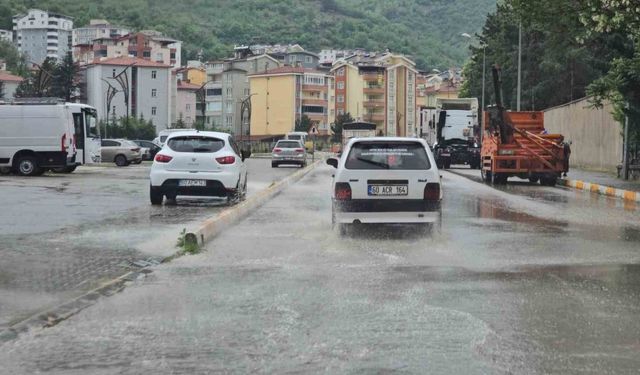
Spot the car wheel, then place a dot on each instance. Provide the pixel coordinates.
(121, 161)
(28, 166)
(155, 196)
(548, 181)
(486, 175)
(500, 179)
(534, 179)
(447, 164)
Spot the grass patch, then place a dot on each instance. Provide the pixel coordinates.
(187, 247)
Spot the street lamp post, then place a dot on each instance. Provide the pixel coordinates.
(519, 66)
(245, 106)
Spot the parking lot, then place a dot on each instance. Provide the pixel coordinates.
(62, 235)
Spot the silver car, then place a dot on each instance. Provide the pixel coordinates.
(120, 151)
(288, 152)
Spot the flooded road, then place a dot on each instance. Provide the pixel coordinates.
(521, 280)
(61, 235)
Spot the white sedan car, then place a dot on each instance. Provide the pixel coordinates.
(385, 180)
(198, 163)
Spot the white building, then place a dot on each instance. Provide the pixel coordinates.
(40, 34)
(95, 30)
(149, 88)
(6, 35)
(10, 83)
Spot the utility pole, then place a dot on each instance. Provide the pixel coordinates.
(519, 66)
(625, 147)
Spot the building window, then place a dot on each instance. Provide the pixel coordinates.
(247, 92)
(308, 59)
(228, 78)
(146, 54)
(229, 120)
(229, 107)
(341, 85)
(154, 74)
(159, 57)
(214, 92)
(187, 107)
(229, 91)
(113, 73)
(154, 93)
(341, 72)
(154, 111)
(340, 99)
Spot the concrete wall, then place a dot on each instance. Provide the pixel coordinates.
(596, 136)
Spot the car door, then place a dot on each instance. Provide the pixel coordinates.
(109, 149)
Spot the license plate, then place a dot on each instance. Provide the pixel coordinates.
(192, 183)
(388, 190)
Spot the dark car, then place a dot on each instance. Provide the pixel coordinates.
(152, 147)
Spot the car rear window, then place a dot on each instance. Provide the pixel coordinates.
(388, 155)
(289, 144)
(195, 144)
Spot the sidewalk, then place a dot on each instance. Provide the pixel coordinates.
(603, 183)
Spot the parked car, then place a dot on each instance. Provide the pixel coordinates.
(199, 164)
(288, 152)
(385, 180)
(120, 151)
(149, 149)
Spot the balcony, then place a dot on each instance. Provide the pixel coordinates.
(372, 76)
(314, 101)
(377, 116)
(374, 103)
(373, 90)
(314, 88)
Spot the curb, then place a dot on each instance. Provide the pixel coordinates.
(60, 313)
(211, 227)
(608, 191)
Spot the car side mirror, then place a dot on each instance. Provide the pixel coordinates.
(245, 154)
(332, 162)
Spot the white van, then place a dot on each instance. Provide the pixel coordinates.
(36, 136)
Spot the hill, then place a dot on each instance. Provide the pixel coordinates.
(428, 30)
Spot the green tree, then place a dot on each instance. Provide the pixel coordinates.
(16, 62)
(1, 90)
(336, 128)
(64, 82)
(303, 124)
(180, 123)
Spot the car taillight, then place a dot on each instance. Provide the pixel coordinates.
(162, 158)
(343, 191)
(299, 149)
(63, 146)
(226, 160)
(277, 150)
(432, 192)
(135, 149)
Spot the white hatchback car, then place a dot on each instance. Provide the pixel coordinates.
(385, 180)
(199, 163)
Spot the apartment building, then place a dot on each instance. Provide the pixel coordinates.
(380, 89)
(95, 30)
(40, 34)
(283, 95)
(6, 35)
(184, 104)
(147, 84)
(148, 45)
(228, 85)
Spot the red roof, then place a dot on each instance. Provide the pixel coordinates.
(126, 61)
(7, 77)
(187, 86)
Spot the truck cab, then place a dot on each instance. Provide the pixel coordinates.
(457, 133)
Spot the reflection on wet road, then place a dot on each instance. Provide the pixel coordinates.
(510, 283)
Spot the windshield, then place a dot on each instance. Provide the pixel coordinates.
(388, 155)
(195, 144)
(285, 144)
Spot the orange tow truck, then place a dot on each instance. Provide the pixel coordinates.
(517, 144)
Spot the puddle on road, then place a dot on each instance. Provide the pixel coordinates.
(493, 209)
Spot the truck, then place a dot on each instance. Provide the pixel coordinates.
(43, 134)
(517, 144)
(358, 129)
(457, 133)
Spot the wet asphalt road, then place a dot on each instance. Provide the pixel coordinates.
(524, 280)
(61, 235)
